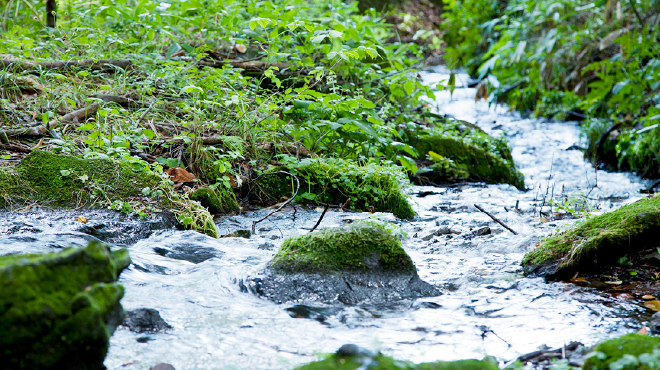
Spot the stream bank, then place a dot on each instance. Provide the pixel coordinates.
(487, 306)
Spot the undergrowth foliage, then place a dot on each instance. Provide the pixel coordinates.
(597, 61)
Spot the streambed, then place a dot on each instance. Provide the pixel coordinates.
(487, 306)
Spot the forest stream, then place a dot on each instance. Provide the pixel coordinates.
(487, 306)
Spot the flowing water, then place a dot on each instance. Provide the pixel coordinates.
(487, 307)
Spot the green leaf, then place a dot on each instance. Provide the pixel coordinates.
(65, 173)
(318, 39)
(409, 86)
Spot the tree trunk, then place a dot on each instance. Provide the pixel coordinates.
(51, 11)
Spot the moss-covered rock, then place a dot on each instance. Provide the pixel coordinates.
(363, 262)
(62, 181)
(358, 247)
(362, 359)
(597, 241)
(371, 186)
(58, 310)
(216, 201)
(613, 350)
(475, 161)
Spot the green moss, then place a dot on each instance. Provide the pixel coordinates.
(376, 187)
(356, 247)
(613, 349)
(599, 240)
(381, 362)
(61, 181)
(216, 201)
(58, 310)
(480, 163)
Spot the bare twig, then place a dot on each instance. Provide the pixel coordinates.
(15, 148)
(254, 224)
(495, 219)
(144, 114)
(325, 209)
(42, 130)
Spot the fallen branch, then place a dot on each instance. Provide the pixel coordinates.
(208, 140)
(495, 219)
(121, 100)
(253, 66)
(254, 224)
(94, 65)
(325, 209)
(15, 148)
(42, 130)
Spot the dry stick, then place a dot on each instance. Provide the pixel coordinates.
(42, 130)
(94, 65)
(144, 114)
(325, 209)
(15, 148)
(254, 224)
(208, 140)
(495, 219)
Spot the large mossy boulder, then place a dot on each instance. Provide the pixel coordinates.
(457, 158)
(58, 310)
(361, 262)
(376, 187)
(632, 351)
(67, 182)
(596, 242)
(352, 357)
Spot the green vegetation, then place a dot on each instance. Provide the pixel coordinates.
(593, 60)
(599, 240)
(381, 362)
(56, 180)
(358, 247)
(377, 186)
(629, 352)
(58, 310)
(460, 152)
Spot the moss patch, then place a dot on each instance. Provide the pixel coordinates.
(61, 181)
(58, 310)
(358, 247)
(598, 241)
(216, 201)
(376, 187)
(614, 349)
(381, 362)
(475, 161)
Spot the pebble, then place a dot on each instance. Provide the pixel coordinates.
(162, 366)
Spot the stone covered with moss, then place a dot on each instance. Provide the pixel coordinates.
(371, 186)
(358, 247)
(468, 160)
(58, 310)
(62, 181)
(613, 350)
(598, 241)
(216, 201)
(351, 357)
(359, 263)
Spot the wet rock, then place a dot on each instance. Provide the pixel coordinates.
(216, 201)
(188, 252)
(319, 314)
(597, 242)
(59, 309)
(145, 320)
(361, 262)
(162, 366)
(614, 349)
(482, 231)
(439, 232)
(352, 357)
(654, 324)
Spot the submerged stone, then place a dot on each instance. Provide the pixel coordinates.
(66, 182)
(352, 357)
(370, 187)
(58, 310)
(145, 320)
(596, 242)
(635, 350)
(362, 262)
